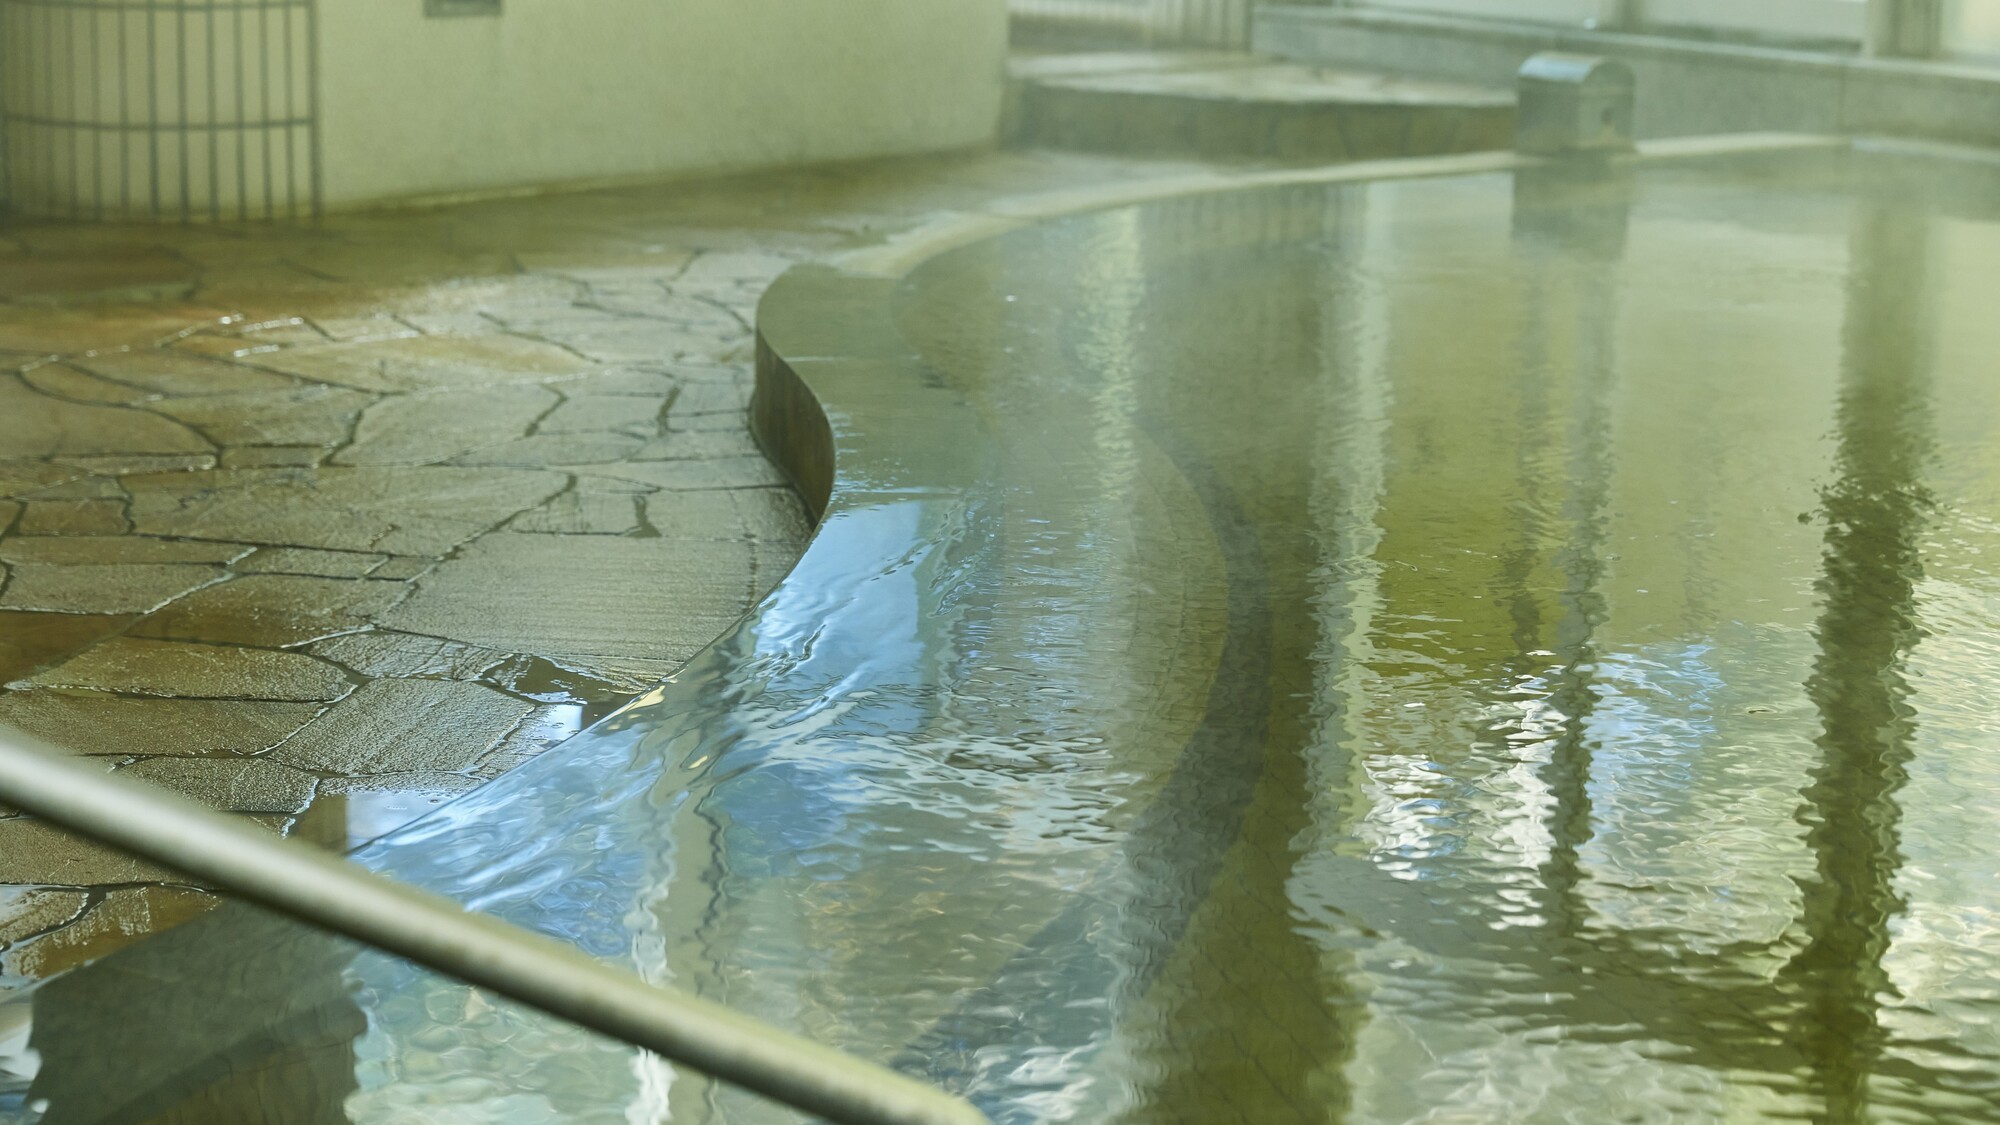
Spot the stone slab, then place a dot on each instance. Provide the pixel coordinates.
(90, 722)
(147, 667)
(268, 456)
(729, 472)
(618, 381)
(299, 416)
(33, 424)
(583, 512)
(27, 478)
(700, 445)
(273, 610)
(86, 550)
(63, 381)
(122, 464)
(759, 514)
(626, 414)
(393, 511)
(28, 911)
(308, 561)
(247, 785)
(427, 429)
(541, 450)
(34, 853)
(73, 517)
(384, 653)
(116, 588)
(85, 485)
(408, 566)
(655, 599)
(404, 725)
(427, 362)
(123, 915)
(33, 640)
(179, 374)
(97, 274)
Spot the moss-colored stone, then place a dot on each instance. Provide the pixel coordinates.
(427, 362)
(307, 561)
(382, 653)
(33, 424)
(118, 588)
(428, 429)
(403, 725)
(85, 550)
(121, 916)
(28, 911)
(583, 512)
(273, 610)
(73, 517)
(195, 671)
(658, 599)
(247, 785)
(296, 416)
(32, 852)
(178, 373)
(90, 722)
(377, 509)
(29, 641)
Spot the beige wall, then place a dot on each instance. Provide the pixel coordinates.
(1972, 26)
(569, 90)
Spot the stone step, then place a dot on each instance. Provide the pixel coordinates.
(1228, 106)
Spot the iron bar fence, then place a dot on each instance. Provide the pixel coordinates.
(160, 109)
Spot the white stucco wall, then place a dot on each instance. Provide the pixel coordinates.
(575, 90)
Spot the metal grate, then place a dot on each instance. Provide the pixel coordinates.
(187, 109)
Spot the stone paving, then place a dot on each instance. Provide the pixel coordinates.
(325, 527)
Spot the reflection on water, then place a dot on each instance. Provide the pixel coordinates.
(1463, 650)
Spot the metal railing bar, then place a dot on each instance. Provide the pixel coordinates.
(333, 894)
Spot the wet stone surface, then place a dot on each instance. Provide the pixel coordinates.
(345, 522)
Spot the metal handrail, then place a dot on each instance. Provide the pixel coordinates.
(334, 894)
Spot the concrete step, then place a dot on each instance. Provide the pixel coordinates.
(1228, 106)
